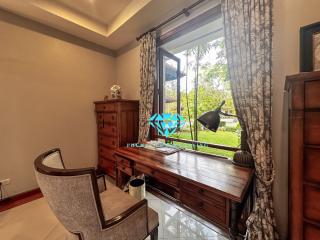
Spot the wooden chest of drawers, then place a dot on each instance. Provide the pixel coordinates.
(117, 125)
(304, 155)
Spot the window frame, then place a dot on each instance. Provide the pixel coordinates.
(163, 53)
(204, 18)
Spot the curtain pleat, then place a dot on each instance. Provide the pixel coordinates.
(248, 36)
(147, 83)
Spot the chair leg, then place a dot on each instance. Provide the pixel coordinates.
(154, 234)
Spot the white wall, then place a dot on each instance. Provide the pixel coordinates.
(47, 89)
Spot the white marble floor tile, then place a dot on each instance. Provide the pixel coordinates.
(175, 224)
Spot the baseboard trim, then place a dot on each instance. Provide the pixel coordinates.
(20, 199)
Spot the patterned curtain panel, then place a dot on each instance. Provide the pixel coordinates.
(147, 81)
(248, 36)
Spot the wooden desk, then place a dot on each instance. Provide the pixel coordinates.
(211, 186)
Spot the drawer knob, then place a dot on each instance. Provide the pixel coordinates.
(200, 205)
(201, 191)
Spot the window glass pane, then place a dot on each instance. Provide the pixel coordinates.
(170, 86)
(204, 84)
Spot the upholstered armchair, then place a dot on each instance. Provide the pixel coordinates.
(73, 195)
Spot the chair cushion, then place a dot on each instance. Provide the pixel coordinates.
(114, 202)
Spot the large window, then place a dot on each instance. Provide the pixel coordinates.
(193, 79)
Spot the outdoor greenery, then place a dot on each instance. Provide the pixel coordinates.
(219, 137)
(205, 86)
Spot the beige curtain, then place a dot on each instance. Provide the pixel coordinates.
(248, 36)
(147, 82)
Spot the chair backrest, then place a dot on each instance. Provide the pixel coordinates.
(72, 195)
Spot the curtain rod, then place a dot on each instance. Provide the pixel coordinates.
(184, 11)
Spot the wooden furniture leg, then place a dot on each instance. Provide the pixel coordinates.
(235, 214)
(154, 234)
(236, 211)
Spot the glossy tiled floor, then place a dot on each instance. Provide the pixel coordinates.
(180, 225)
(35, 221)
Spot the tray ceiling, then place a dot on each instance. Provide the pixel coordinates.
(110, 23)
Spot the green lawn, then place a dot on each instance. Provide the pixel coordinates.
(219, 137)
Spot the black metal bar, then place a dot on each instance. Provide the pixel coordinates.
(161, 64)
(184, 11)
(210, 145)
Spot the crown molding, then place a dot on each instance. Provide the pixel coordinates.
(32, 25)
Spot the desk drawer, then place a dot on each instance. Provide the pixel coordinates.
(105, 107)
(123, 161)
(160, 176)
(108, 141)
(213, 212)
(144, 169)
(166, 178)
(125, 169)
(203, 193)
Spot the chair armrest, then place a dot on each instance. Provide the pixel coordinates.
(125, 214)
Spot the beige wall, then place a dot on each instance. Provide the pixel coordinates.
(48, 85)
(47, 89)
(128, 73)
(289, 16)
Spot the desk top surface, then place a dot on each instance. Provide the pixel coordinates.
(211, 172)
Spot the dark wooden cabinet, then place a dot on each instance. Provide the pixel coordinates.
(117, 124)
(304, 155)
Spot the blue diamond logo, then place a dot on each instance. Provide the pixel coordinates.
(166, 123)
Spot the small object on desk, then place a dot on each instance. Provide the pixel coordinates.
(243, 156)
(162, 147)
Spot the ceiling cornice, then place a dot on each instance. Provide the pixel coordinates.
(24, 22)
